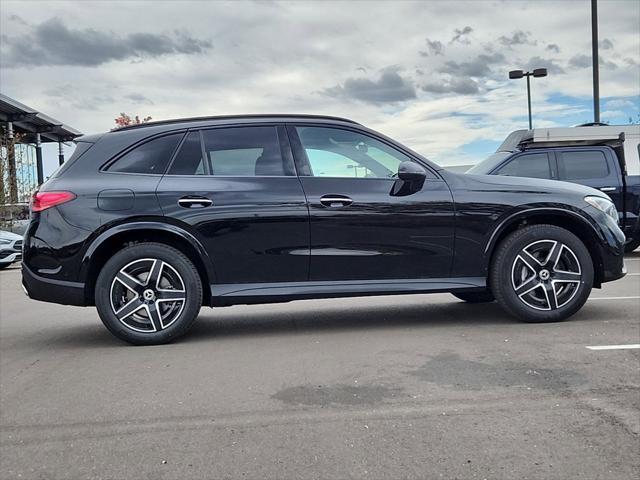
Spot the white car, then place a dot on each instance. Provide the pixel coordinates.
(10, 248)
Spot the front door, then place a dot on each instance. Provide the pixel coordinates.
(236, 189)
(364, 223)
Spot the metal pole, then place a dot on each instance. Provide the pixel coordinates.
(60, 153)
(11, 165)
(595, 59)
(529, 100)
(39, 167)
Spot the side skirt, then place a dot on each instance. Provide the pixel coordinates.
(253, 293)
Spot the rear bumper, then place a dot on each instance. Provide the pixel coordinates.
(55, 291)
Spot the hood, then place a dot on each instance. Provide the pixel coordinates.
(536, 185)
(9, 235)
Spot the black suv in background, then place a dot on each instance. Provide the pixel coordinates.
(152, 221)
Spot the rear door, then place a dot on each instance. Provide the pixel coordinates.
(237, 190)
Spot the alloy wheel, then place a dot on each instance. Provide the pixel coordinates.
(147, 295)
(546, 275)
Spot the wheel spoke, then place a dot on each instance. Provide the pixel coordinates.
(563, 276)
(530, 261)
(527, 286)
(154, 316)
(155, 274)
(554, 255)
(128, 281)
(170, 295)
(550, 294)
(129, 308)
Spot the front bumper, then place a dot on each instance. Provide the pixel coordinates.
(6, 259)
(55, 291)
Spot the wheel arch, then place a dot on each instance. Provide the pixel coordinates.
(567, 219)
(117, 237)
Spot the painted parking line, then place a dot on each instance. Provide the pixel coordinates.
(615, 298)
(614, 347)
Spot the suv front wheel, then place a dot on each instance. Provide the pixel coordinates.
(542, 273)
(148, 293)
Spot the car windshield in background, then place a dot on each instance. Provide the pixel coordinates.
(489, 163)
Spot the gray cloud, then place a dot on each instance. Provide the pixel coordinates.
(517, 37)
(434, 47)
(580, 61)
(605, 44)
(553, 47)
(461, 35)
(584, 61)
(462, 86)
(53, 43)
(539, 62)
(139, 98)
(390, 87)
(478, 67)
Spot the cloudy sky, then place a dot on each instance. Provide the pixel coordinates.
(432, 74)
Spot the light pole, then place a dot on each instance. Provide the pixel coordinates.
(538, 72)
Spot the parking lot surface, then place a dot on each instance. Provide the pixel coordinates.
(420, 386)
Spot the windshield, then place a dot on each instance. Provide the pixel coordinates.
(489, 163)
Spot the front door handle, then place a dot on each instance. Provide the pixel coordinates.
(194, 202)
(335, 201)
(608, 189)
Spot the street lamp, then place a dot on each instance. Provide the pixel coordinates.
(538, 72)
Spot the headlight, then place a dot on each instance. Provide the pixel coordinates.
(4, 241)
(603, 204)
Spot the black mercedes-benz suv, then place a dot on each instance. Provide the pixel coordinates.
(149, 222)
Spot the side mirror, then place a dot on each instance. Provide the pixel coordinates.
(411, 172)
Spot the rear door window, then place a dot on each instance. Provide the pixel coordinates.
(534, 165)
(245, 152)
(582, 165)
(151, 157)
(189, 160)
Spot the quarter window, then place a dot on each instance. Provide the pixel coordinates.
(534, 165)
(582, 165)
(151, 157)
(334, 152)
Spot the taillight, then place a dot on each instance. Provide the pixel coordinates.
(43, 200)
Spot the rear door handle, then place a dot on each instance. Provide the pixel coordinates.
(608, 189)
(194, 202)
(335, 201)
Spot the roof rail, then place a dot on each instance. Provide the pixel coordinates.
(231, 117)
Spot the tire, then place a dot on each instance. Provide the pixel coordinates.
(475, 297)
(631, 245)
(550, 268)
(139, 310)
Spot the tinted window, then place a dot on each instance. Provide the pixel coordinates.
(535, 165)
(245, 152)
(583, 164)
(150, 157)
(342, 153)
(189, 161)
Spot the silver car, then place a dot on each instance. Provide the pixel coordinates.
(10, 248)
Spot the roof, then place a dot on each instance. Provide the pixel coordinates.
(29, 121)
(222, 118)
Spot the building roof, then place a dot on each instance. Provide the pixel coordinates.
(29, 121)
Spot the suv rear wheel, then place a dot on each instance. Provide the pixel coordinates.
(542, 273)
(148, 293)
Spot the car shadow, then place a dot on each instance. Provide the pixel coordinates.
(304, 317)
(340, 315)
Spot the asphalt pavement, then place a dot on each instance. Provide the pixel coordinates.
(420, 386)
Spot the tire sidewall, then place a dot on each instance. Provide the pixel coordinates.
(169, 255)
(509, 250)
